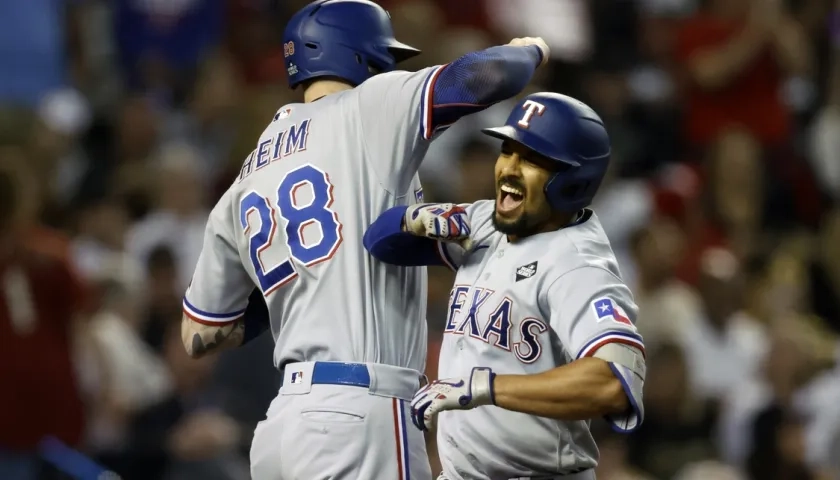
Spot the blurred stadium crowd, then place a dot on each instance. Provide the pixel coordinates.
(122, 121)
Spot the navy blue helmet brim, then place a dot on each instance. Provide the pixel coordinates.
(507, 132)
(401, 51)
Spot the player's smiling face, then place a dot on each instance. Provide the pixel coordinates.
(521, 206)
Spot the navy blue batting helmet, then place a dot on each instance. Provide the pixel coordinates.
(347, 39)
(568, 132)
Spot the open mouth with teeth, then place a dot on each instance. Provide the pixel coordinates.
(510, 198)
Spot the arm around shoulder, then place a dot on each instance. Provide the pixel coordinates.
(389, 241)
(401, 112)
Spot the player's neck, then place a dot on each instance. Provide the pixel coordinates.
(556, 222)
(322, 88)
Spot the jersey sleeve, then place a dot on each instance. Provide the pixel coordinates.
(589, 307)
(220, 286)
(395, 117)
(480, 216)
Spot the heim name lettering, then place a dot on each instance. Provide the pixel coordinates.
(466, 316)
(284, 143)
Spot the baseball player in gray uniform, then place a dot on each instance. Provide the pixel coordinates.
(540, 334)
(292, 223)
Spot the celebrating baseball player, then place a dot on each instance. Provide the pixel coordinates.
(351, 354)
(540, 334)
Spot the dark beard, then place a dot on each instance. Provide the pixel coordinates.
(521, 227)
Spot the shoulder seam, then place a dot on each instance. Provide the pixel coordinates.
(365, 148)
(383, 184)
(560, 277)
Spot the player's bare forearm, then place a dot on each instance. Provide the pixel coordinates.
(200, 339)
(584, 389)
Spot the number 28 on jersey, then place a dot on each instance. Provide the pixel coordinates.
(259, 218)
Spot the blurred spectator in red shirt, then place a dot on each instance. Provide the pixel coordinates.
(736, 55)
(40, 299)
(725, 209)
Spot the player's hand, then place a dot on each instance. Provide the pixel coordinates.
(452, 394)
(538, 42)
(446, 222)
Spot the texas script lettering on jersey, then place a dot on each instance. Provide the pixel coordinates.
(284, 143)
(498, 324)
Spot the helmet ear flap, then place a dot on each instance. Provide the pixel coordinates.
(564, 191)
(373, 67)
(574, 189)
(552, 190)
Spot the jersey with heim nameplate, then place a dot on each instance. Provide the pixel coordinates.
(293, 220)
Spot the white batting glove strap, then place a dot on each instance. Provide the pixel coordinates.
(452, 394)
(536, 41)
(441, 221)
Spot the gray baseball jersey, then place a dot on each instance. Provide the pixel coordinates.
(525, 308)
(292, 224)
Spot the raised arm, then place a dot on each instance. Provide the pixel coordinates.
(401, 112)
(480, 79)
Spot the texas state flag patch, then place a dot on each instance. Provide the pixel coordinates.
(606, 309)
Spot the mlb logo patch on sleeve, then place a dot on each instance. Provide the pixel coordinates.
(283, 113)
(297, 377)
(606, 309)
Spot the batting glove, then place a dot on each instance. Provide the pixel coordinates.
(535, 41)
(452, 394)
(441, 221)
